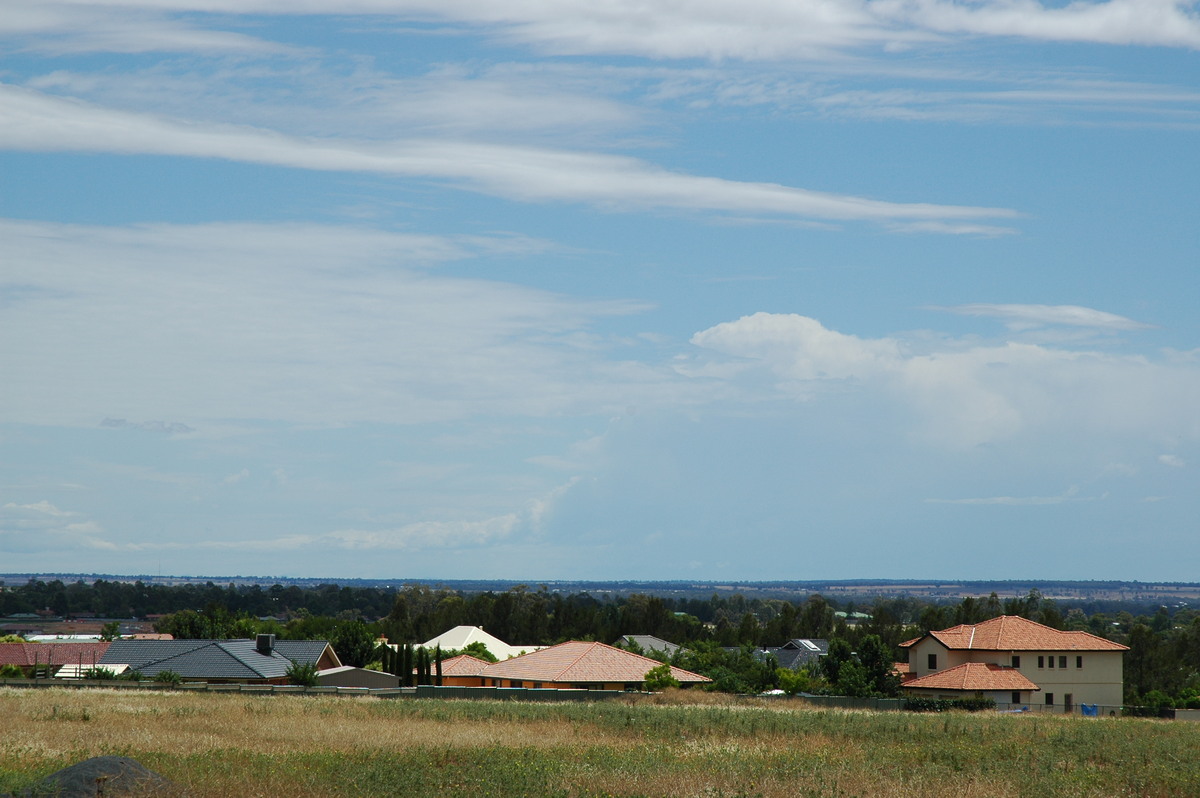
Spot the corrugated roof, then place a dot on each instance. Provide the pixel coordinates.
(583, 663)
(974, 677)
(1014, 633)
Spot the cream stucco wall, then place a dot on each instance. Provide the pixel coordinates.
(1099, 681)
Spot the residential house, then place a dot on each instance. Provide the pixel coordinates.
(460, 637)
(316, 652)
(649, 644)
(52, 656)
(582, 666)
(799, 652)
(463, 671)
(260, 661)
(1015, 661)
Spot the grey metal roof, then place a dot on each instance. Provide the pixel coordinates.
(205, 659)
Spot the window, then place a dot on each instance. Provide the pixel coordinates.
(1049, 699)
(1079, 662)
(1051, 658)
(1062, 661)
(933, 662)
(1041, 662)
(1016, 663)
(1016, 697)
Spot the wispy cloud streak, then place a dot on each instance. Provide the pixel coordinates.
(40, 122)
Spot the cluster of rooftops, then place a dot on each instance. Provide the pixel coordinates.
(978, 658)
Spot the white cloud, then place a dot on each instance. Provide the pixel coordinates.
(36, 512)
(961, 394)
(42, 526)
(799, 347)
(65, 27)
(1022, 317)
(1172, 460)
(40, 122)
(316, 98)
(1070, 495)
(1169, 23)
(299, 323)
(749, 30)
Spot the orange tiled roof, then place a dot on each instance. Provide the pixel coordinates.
(584, 663)
(463, 665)
(1014, 633)
(974, 676)
(27, 654)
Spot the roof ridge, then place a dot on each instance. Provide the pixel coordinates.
(588, 648)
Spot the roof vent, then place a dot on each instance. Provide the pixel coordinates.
(264, 644)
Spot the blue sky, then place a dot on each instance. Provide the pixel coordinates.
(540, 290)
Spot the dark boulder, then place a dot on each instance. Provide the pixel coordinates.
(108, 776)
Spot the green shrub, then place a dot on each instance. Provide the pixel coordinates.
(922, 704)
(10, 671)
(302, 673)
(167, 677)
(100, 673)
(659, 678)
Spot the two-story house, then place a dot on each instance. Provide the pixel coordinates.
(1016, 661)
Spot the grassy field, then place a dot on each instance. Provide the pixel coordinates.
(229, 744)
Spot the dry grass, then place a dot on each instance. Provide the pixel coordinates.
(230, 744)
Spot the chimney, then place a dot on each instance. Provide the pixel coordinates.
(264, 644)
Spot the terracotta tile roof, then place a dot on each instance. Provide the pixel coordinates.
(25, 654)
(974, 676)
(583, 663)
(463, 665)
(1014, 633)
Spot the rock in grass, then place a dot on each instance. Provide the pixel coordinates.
(108, 776)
